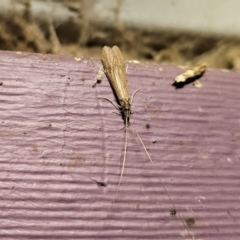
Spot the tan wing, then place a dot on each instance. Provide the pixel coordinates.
(115, 69)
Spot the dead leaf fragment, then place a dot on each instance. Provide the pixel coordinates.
(193, 72)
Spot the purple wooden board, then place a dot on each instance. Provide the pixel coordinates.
(58, 139)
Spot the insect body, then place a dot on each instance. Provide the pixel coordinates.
(115, 70)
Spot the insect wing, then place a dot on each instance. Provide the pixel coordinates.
(114, 67)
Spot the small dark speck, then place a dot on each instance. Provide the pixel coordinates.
(154, 141)
(13, 187)
(62, 75)
(148, 126)
(1, 83)
(25, 133)
(173, 212)
(181, 143)
(83, 79)
(50, 125)
(190, 222)
(101, 184)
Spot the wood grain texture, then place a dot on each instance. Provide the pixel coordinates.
(60, 146)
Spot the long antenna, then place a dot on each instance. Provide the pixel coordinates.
(149, 157)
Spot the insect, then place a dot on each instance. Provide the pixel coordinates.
(115, 69)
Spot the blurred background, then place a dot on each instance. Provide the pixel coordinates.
(182, 32)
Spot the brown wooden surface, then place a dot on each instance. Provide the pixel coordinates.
(62, 149)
